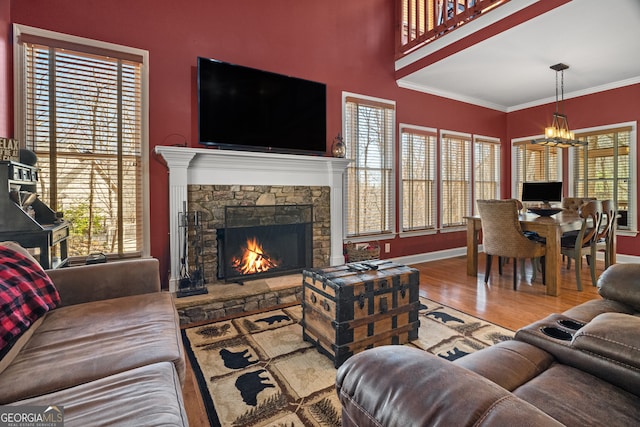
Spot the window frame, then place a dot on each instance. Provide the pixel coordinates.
(436, 191)
(390, 161)
(468, 171)
(632, 218)
(477, 140)
(21, 31)
(516, 184)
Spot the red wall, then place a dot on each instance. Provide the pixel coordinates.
(349, 45)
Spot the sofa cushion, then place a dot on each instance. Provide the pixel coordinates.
(26, 293)
(149, 395)
(577, 398)
(84, 342)
(519, 362)
(613, 336)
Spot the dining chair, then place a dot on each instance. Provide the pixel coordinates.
(502, 236)
(531, 235)
(583, 243)
(606, 233)
(572, 204)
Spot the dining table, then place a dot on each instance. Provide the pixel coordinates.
(550, 227)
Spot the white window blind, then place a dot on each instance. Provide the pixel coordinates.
(82, 118)
(486, 168)
(602, 169)
(419, 178)
(455, 171)
(369, 129)
(534, 163)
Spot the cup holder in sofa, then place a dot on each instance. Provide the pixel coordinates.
(556, 333)
(571, 324)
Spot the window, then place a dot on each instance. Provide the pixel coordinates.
(603, 169)
(486, 168)
(455, 171)
(369, 130)
(419, 178)
(80, 108)
(534, 163)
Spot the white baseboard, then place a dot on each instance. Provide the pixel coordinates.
(456, 252)
(431, 256)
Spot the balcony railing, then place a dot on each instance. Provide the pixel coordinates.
(422, 21)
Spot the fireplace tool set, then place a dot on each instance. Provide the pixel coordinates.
(191, 274)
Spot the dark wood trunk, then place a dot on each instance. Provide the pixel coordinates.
(349, 308)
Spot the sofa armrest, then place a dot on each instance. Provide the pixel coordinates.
(403, 386)
(607, 347)
(96, 282)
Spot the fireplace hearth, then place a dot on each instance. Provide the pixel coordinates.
(264, 241)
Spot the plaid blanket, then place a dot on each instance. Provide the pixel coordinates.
(26, 293)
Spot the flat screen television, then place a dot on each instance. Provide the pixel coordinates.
(244, 108)
(544, 192)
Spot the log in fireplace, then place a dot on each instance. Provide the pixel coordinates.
(264, 241)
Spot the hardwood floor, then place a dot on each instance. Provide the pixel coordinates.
(446, 281)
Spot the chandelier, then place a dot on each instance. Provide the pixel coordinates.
(559, 134)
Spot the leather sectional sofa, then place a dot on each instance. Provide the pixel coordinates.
(578, 368)
(110, 353)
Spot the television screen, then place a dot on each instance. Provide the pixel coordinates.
(248, 109)
(542, 192)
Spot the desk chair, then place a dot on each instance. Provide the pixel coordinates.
(502, 236)
(576, 246)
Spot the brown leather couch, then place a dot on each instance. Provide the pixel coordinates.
(578, 368)
(111, 354)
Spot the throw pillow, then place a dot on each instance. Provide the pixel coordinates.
(26, 294)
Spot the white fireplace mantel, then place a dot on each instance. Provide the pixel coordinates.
(203, 166)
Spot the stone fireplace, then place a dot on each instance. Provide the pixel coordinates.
(272, 214)
(211, 179)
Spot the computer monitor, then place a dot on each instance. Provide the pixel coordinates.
(544, 192)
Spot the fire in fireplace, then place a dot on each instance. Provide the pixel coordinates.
(264, 241)
(254, 259)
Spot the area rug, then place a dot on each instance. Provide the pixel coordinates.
(256, 370)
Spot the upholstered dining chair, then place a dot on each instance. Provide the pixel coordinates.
(606, 233)
(502, 236)
(583, 243)
(531, 235)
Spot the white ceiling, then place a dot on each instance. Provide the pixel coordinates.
(598, 39)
